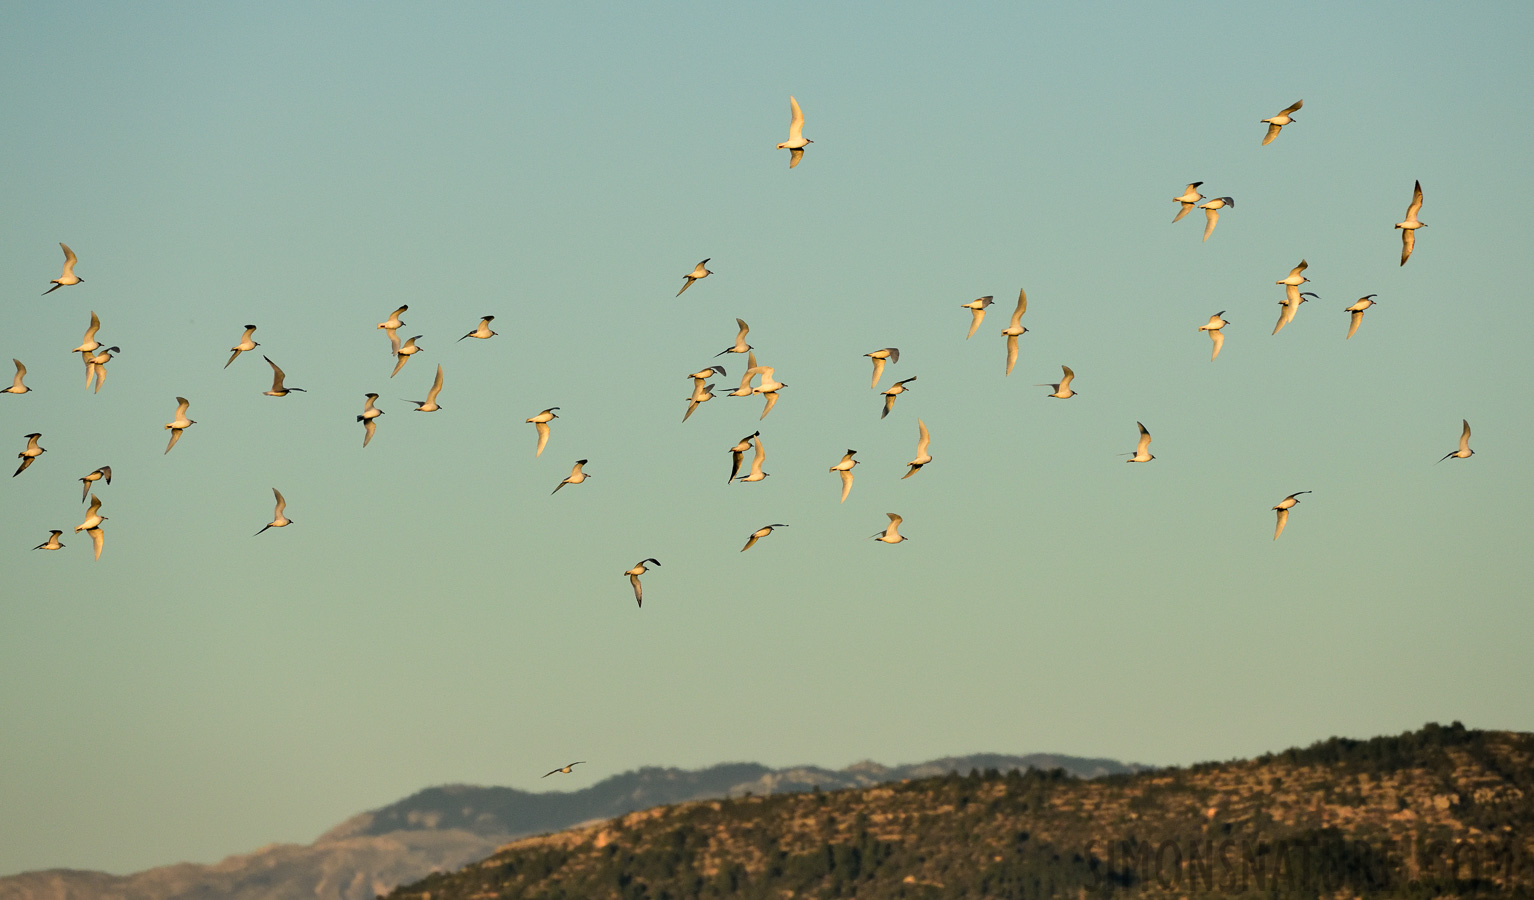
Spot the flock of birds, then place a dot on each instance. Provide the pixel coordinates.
(756, 380)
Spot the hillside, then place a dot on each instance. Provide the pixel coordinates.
(1384, 817)
(443, 828)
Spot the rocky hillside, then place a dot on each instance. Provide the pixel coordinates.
(1437, 812)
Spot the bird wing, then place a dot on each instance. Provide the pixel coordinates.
(1357, 317)
(795, 123)
(1272, 133)
(894, 520)
(1294, 108)
(1144, 443)
(735, 457)
(976, 315)
(277, 375)
(69, 260)
(21, 372)
(878, 370)
(175, 435)
(749, 543)
(923, 439)
(369, 426)
(795, 156)
(400, 360)
(638, 591)
(846, 483)
(543, 437)
(1218, 337)
(436, 386)
(1283, 519)
(97, 539)
(281, 503)
(1022, 307)
(772, 400)
(889, 403)
(1212, 217)
(91, 331)
(760, 457)
(1065, 382)
(1464, 437)
(1416, 203)
(1408, 241)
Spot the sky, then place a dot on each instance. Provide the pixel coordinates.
(434, 615)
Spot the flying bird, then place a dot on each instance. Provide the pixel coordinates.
(738, 451)
(1214, 326)
(246, 343)
(89, 344)
(1016, 329)
(404, 352)
(576, 476)
(1295, 278)
(891, 534)
(69, 277)
(1189, 197)
(16, 386)
(633, 574)
(701, 393)
(1357, 309)
(92, 525)
(745, 389)
(565, 770)
(1283, 508)
(430, 403)
(1142, 449)
(1410, 226)
(96, 366)
(922, 456)
(52, 543)
(278, 519)
(278, 388)
(180, 424)
(879, 356)
(30, 454)
(709, 372)
(1289, 306)
(1464, 451)
(892, 392)
(541, 423)
(740, 345)
(845, 468)
(1212, 213)
(768, 388)
(756, 473)
(483, 331)
(759, 534)
(698, 272)
(393, 323)
(1279, 121)
(1063, 389)
(102, 474)
(369, 418)
(976, 313)
(796, 141)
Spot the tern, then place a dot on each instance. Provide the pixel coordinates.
(701, 393)
(845, 468)
(745, 389)
(96, 366)
(922, 456)
(740, 345)
(709, 372)
(756, 473)
(93, 516)
(16, 386)
(393, 323)
(369, 418)
(1295, 278)
(565, 770)
(768, 388)
(738, 451)
(1142, 449)
(102, 474)
(892, 392)
(52, 543)
(278, 388)
(879, 356)
(278, 519)
(1410, 226)
(1283, 508)
(403, 354)
(976, 313)
(1357, 309)
(1214, 326)
(541, 423)
(891, 534)
(246, 343)
(698, 272)
(180, 424)
(759, 534)
(89, 344)
(69, 277)
(1212, 213)
(639, 569)
(31, 453)
(796, 141)
(1279, 121)
(576, 476)
(430, 403)
(482, 331)
(1016, 329)
(1290, 305)
(1063, 389)
(1464, 451)
(1189, 197)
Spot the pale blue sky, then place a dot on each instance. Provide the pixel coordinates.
(435, 616)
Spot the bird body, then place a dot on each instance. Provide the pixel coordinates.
(1212, 213)
(403, 353)
(756, 473)
(279, 389)
(576, 476)
(1283, 507)
(89, 344)
(1357, 311)
(247, 342)
(1410, 226)
(633, 574)
(29, 454)
(540, 423)
(698, 272)
(393, 323)
(1290, 305)
(482, 331)
(1142, 448)
(93, 516)
(1279, 121)
(745, 389)
(1016, 329)
(180, 423)
(1063, 389)
(16, 385)
(796, 141)
(565, 770)
(768, 388)
(96, 366)
(922, 456)
(278, 519)
(1464, 451)
(701, 393)
(845, 469)
(976, 309)
(737, 452)
(1189, 198)
(1295, 278)
(369, 418)
(891, 533)
(430, 403)
(68, 277)
(892, 392)
(52, 543)
(102, 474)
(879, 356)
(759, 534)
(740, 345)
(1216, 323)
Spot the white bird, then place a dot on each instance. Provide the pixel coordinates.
(576, 476)
(745, 389)
(30, 454)
(922, 456)
(430, 403)
(102, 474)
(845, 468)
(709, 372)
(796, 141)
(1410, 226)
(180, 424)
(1212, 213)
(369, 417)
(759, 534)
(698, 272)
(1016, 329)
(246, 343)
(1283, 508)
(16, 386)
(89, 344)
(69, 277)
(482, 331)
(1357, 309)
(93, 516)
(1279, 121)
(701, 393)
(278, 388)
(1295, 278)
(639, 569)
(1063, 389)
(1142, 449)
(768, 388)
(1189, 197)
(1214, 326)
(96, 366)
(541, 422)
(1289, 306)
(738, 451)
(879, 356)
(565, 770)
(403, 354)
(1464, 451)
(393, 323)
(976, 313)
(891, 534)
(756, 473)
(278, 519)
(740, 345)
(52, 543)
(892, 392)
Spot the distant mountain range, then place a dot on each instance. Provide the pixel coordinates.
(444, 828)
